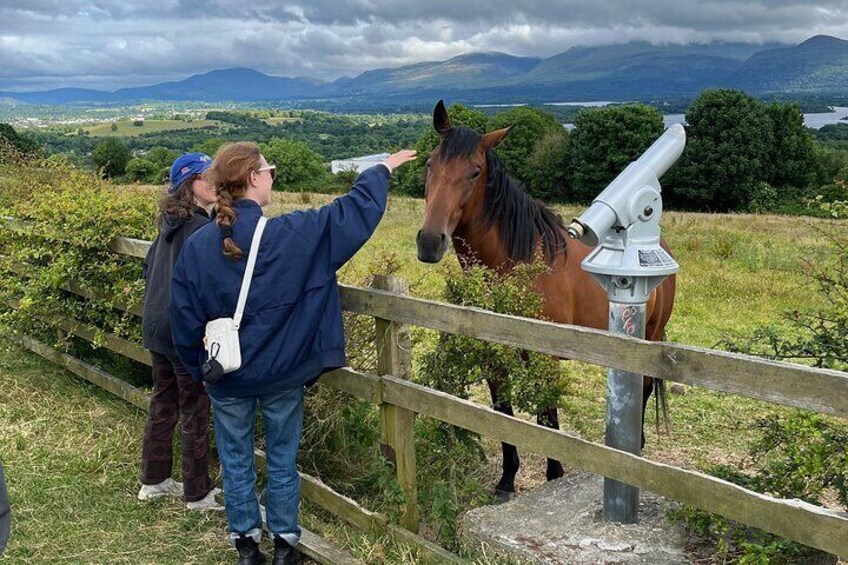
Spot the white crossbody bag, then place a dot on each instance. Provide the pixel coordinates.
(222, 338)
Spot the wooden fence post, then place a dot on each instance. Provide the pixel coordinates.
(397, 425)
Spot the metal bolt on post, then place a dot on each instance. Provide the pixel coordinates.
(629, 263)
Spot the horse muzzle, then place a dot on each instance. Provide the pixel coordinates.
(431, 247)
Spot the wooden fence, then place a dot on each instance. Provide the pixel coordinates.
(399, 400)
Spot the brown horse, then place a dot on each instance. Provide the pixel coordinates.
(471, 201)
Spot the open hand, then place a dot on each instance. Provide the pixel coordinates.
(395, 160)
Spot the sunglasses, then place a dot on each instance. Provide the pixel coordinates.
(271, 169)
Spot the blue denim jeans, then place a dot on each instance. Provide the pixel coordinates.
(282, 418)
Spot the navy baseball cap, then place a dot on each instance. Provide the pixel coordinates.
(186, 166)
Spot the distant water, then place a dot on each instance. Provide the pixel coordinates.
(592, 104)
(816, 121)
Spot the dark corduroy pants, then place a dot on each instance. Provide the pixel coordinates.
(175, 395)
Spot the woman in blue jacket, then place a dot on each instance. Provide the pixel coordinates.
(291, 332)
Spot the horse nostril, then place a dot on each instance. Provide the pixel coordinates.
(418, 237)
(444, 237)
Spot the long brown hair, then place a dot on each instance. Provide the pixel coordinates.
(179, 203)
(230, 175)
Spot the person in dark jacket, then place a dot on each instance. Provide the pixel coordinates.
(175, 394)
(5, 513)
(291, 332)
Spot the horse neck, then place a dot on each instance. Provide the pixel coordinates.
(473, 242)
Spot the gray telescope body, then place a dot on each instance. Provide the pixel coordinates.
(615, 206)
(623, 222)
(629, 263)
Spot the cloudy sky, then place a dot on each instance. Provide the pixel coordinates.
(109, 44)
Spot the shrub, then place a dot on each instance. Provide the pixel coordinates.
(802, 455)
(532, 381)
(68, 218)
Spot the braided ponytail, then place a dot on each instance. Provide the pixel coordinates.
(229, 175)
(225, 219)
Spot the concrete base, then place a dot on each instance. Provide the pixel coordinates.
(561, 523)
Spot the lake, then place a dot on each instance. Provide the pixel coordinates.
(815, 120)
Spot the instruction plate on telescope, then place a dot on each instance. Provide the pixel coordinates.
(655, 258)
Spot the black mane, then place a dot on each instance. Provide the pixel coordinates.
(520, 218)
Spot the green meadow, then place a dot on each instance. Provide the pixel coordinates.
(126, 128)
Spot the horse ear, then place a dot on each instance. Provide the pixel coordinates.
(441, 120)
(494, 138)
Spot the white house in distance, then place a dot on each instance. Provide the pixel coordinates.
(357, 164)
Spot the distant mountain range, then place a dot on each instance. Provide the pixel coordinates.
(630, 71)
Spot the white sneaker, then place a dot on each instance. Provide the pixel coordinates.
(207, 503)
(168, 487)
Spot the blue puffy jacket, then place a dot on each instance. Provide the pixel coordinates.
(292, 329)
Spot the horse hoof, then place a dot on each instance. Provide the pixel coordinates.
(502, 496)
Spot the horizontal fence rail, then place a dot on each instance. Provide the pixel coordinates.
(793, 385)
(820, 390)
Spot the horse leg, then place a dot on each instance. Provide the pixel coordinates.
(647, 389)
(658, 388)
(506, 486)
(549, 418)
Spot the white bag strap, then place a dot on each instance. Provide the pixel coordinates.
(248, 271)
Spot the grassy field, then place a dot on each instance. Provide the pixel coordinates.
(127, 129)
(71, 451)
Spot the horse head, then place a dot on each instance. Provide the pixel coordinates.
(456, 173)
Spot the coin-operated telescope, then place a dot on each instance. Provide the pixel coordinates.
(629, 262)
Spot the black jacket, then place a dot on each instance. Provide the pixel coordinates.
(158, 266)
(5, 513)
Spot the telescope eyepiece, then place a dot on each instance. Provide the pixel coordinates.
(575, 229)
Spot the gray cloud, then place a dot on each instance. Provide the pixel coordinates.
(109, 43)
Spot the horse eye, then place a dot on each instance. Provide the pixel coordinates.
(475, 174)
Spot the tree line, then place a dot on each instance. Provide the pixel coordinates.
(741, 154)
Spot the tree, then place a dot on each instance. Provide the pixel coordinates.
(111, 156)
(113, 127)
(831, 163)
(605, 141)
(410, 178)
(529, 126)
(209, 146)
(792, 154)
(549, 167)
(727, 151)
(162, 158)
(139, 169)
(22, 143)
(296, 163)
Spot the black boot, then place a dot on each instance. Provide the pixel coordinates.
(284, 553)
(248, 551)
